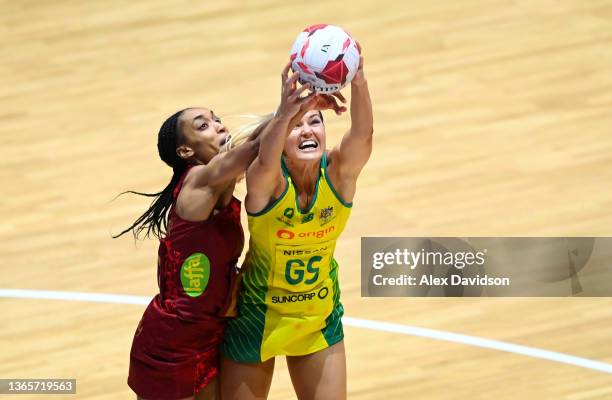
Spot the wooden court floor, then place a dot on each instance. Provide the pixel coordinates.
(492, 118)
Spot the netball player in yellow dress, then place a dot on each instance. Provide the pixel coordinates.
(299, 198)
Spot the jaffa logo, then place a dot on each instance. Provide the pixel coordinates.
(290, 235)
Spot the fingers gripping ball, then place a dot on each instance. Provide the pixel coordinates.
(325, 56)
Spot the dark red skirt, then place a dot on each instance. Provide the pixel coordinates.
(172, 358)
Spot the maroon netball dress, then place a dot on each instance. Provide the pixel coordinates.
(175, 348)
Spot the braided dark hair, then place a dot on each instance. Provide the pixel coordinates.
(155, 219)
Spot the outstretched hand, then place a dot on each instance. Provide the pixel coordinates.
(328, 102)
(291, 102)
(294, 106)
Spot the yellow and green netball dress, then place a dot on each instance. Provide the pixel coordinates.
(290, 299)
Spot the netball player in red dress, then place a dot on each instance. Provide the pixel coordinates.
(175, 351)
(175, 348)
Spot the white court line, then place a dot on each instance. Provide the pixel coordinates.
(74, 296)
(348, 321)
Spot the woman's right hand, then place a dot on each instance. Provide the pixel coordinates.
(291, 103)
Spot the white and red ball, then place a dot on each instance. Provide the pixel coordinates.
(325, 56)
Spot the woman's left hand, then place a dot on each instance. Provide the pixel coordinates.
(327, 102)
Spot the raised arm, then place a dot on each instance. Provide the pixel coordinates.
(355, 148)
(264, 175)
(347, 159)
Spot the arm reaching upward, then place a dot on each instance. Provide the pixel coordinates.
(264, 175)
(353, 152)
(356, 146)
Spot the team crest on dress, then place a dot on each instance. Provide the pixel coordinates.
(286, 217)
(326, 213)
